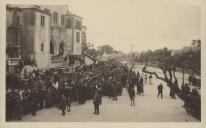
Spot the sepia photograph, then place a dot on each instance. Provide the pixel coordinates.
(103, 61)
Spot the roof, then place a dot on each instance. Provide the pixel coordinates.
(24, 7)
(73, 15)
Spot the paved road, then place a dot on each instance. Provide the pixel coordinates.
(148, 108)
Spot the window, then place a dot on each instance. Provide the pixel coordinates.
(78, 25)
(62, 19)
(55, 17)
(68, 23)
(42, 20)
(42, 47)
(77, 37)
(16, 18)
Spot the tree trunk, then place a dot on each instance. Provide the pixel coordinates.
(166, 80)
(183, 76)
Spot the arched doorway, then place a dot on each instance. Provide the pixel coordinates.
(62, 48)
(51, 47)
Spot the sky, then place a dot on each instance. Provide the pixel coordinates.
(120, 23)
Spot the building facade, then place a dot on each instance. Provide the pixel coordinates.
(46, 36)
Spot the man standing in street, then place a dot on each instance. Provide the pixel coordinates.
(150, 79)
(132, 95)
(97, 100)
(17, 105)
(145, 79)
(141, 86)
(160, 90)
(63, 104)
(34, 103)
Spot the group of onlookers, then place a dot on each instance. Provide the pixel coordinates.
(56, 87)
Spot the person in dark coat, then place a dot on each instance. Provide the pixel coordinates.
(97, 100)
(63, 103)
(34, 101)
(194, 93)
(114, 90)
(137, 83)
(48, 97)
(132, 95)
(25, 102)
(172, 91)
(150, 79)
(68, 94)
(183, 93)
(110, 89)
(187, 89)
(141, 86)
(145, 79)
(17, 105)
(9, 104)
(41, 98)
(160, 90)
(190, 79)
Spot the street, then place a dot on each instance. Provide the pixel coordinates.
(148, 108)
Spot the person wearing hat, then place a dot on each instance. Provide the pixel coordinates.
(150, 79)
(160, 90)
(34, 102)
(141, 86)
(97, 100)
(63, 104)
(17, 105)
(68, 95)
(9, 104)
(187, 89)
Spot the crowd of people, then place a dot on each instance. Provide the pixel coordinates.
(44, 89)
(60, 87)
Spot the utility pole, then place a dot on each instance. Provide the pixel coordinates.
(132, 55)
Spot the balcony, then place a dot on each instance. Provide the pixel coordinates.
(13, 61)
(57, 59)
(13, 54)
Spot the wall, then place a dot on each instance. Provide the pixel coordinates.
(27, 42)
(12, 28)
(42, 36)
(10, 16)
(60, 9)
(77, 45)
(69, 40)
(73, 48)
(27, 33)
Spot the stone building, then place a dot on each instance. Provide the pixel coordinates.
(47, 36)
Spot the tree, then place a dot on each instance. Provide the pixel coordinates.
(169, 61)
(164, 60)
(85, 47)
(88, 50)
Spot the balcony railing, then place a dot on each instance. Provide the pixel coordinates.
(13, 61)
(56, 59)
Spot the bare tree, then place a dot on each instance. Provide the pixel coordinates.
(89, 51)
(163, 60)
